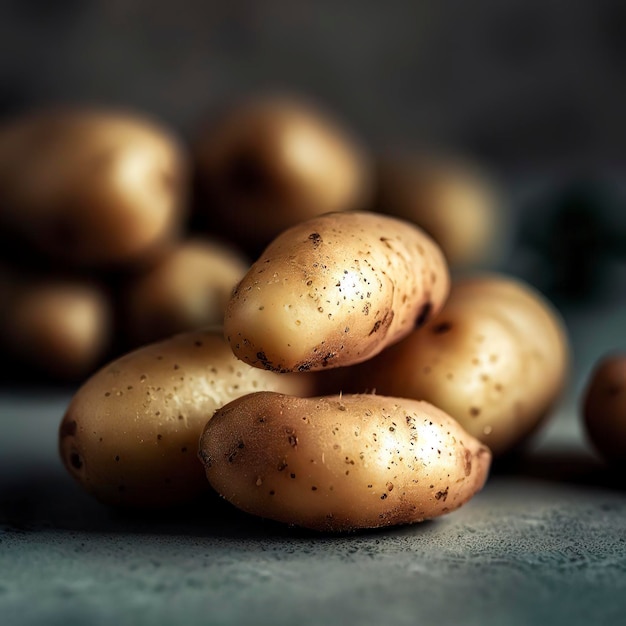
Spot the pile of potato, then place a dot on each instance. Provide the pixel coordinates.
(341, 380)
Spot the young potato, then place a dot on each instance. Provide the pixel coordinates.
(57, 326)
(454, 202)
(335, 290)
(273, 162)
(341, 463)
(495, 358)
(187, 289)
(130, 435)
(90, 187)
(604, 408)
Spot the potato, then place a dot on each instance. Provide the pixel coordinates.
(187, 289)
(60, 327)
(495, 358)
(335, 290)
(341, 463)
(273, 162)
(130, 434)
(90, 187)
(604, 408)
(455, 203)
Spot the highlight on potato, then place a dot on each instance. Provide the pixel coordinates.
(341, 463)
(335, 290)
(130, 434)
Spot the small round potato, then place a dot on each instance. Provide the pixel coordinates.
(604, 409)
(60, 327)
(341, 463)
(186, 290)
(274, 162)
(335, 290)
(455, 203)
(130, 435)
(495, 358)
(90, 187)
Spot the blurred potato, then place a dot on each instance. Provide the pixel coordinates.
(187, 289)
(90, 187)
(459, 206)
(59, 327)
(604, 408)
(273, 162)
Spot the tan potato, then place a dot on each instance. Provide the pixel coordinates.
(335, 290)
(187, 289)
(454, 202)
(341, 463)
(90, 187)
(604, 408)
(274, 162)
(60, 327)
(130, 435)
(495, 358)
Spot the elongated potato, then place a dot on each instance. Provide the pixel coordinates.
(90, 187)
(341, 463)
(335, 290)
(130, 435)
(496, 359)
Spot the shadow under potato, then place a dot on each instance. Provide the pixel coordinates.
(44, 502)
(563, 466)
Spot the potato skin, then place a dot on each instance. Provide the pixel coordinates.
(130, 434)
(91, 187)
(334, 291)
(341, 463)
(187, 289)
(604, 409)
(495, 358)
(275, 161)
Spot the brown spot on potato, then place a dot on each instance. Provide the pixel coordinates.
(68, 428)
(76, 461)
(375, 328)
(315, 239)
(424, 314)
(467, 460)
(442, 495)
(441, 328)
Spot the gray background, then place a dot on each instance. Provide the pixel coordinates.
(525, 84)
